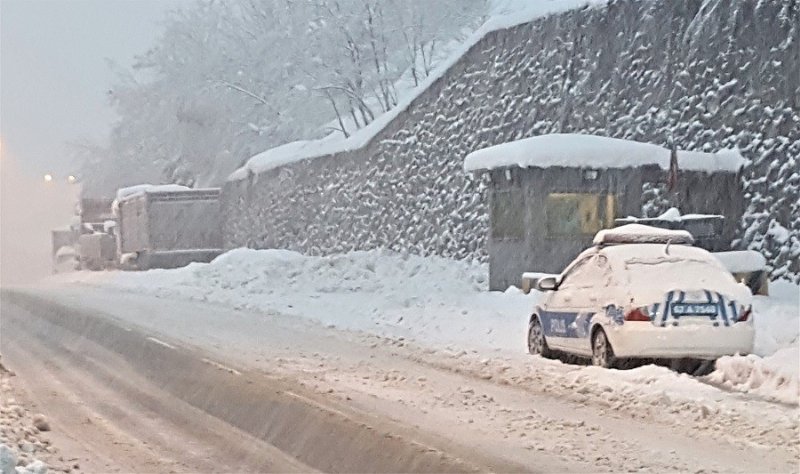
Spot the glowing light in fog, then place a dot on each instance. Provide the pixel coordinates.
(71, 179)
(48, 178)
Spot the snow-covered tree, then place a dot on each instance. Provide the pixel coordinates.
(228, 79)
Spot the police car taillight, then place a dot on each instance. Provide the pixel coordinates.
(745, 314)
(638, 314)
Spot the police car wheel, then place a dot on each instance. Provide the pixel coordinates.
(602, 353)
(536, 341)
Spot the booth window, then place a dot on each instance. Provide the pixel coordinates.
(508, 218)
(579, 213)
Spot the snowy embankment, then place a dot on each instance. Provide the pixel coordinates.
(774, 370)
(23, 448)
(443, 305)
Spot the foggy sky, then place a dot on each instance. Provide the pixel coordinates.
(54, 72)
(53, 80)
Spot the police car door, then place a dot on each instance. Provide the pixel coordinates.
(567, 315)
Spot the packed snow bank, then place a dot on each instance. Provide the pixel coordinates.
(22, 446)
(773, 371)
(774, 377)
(593, 151)
(504, 15)
(441, 304)
(777, 318)
(430, 299)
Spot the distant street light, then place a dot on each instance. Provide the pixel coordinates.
(71, 179)
(48, 178)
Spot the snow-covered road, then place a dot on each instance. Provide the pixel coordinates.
(418, 340)
(443, 305)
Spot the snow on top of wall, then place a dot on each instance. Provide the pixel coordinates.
(504, 16)
(593, 151)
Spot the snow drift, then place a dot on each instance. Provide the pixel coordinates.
(444, 305)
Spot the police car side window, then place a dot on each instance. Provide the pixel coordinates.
(576, 276)
(603, 268)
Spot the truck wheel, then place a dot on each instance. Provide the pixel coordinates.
(537, 344)
(602, 353)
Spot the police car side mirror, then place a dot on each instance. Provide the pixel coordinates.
(547, 284)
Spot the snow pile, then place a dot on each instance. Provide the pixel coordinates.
(773, 371)
(773, 377)
(592, 151)
(8, 460)
(8, 463)
(22, 447)
(443, 305)
(777, 318)
(430, 299)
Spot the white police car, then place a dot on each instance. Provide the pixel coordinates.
(642, 293)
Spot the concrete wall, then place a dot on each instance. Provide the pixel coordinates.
(713, 73)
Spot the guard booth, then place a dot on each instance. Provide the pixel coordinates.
(707, 229)
(549, 195)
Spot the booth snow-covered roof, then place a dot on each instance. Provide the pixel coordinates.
(592, 151)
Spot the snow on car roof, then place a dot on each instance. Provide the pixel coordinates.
(639, 233)
(593, 151)
(650, 270)
(656, 251)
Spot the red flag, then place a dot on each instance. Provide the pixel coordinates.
(672, 177)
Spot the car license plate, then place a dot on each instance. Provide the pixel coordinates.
(694, 309)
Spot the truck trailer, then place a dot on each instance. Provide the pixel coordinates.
(168, 228)
(95, 245)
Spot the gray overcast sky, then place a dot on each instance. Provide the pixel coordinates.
(54, 71)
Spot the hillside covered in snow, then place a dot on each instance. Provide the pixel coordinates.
(711, 74)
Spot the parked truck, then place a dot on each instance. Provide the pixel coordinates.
(95, 213)
(64, 244)
(95, 244)
(163, 227)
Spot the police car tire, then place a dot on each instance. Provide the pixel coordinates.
(545, 352)
(610, 360)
